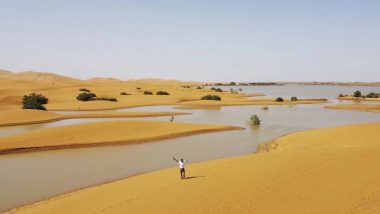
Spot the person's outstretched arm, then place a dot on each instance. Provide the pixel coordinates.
(187, 160)
(175, 159)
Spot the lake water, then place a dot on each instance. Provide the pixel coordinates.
(30, 177)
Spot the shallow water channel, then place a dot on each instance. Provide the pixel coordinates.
(30, 177)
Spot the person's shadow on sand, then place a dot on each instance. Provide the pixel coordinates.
(192, 177)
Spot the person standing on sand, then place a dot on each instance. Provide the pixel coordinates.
(181, 167)
(171, 119)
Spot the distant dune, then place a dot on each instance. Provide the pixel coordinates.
(104, 79)
(33, 75)
(5, 72)
(63, 91)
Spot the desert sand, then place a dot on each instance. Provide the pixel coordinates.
(62, 92)
(330, 170)
(112, 132)
(357, 107)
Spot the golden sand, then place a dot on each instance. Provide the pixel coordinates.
(26, 116)
(357, 107)
(331, 170)
(110, 133)
(62, 93)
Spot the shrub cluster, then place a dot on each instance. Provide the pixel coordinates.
(211, 97)
(293, 98)
(372, 95)
(279, 99)
(112, 99)
(86, 96)
(148, 93)
(199, 87)
(34, 101)
(357, 94)
(162, 93)
(216, 89)
(124, 93)
(254, 120)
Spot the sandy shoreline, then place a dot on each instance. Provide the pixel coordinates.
(110, 133)
(27, 117)
(352, 98)
(356, 107)
(325, 170)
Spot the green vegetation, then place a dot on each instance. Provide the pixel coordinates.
(279, 99)
(124, 93)
(255, 120)
(372, 95)
(199, 87)
(148, 93)
(162, 93)
(357, 94)
(216, 89)
(340, 95)
(34, 101)
(84, 90)
(211, 97)
(85, 96)
(294, 99)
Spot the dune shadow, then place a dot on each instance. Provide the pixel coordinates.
(193, 177)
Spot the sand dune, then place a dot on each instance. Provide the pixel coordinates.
(35, 76)
(62, 92)
(104, 79)
(332, 170)
(102, 134)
